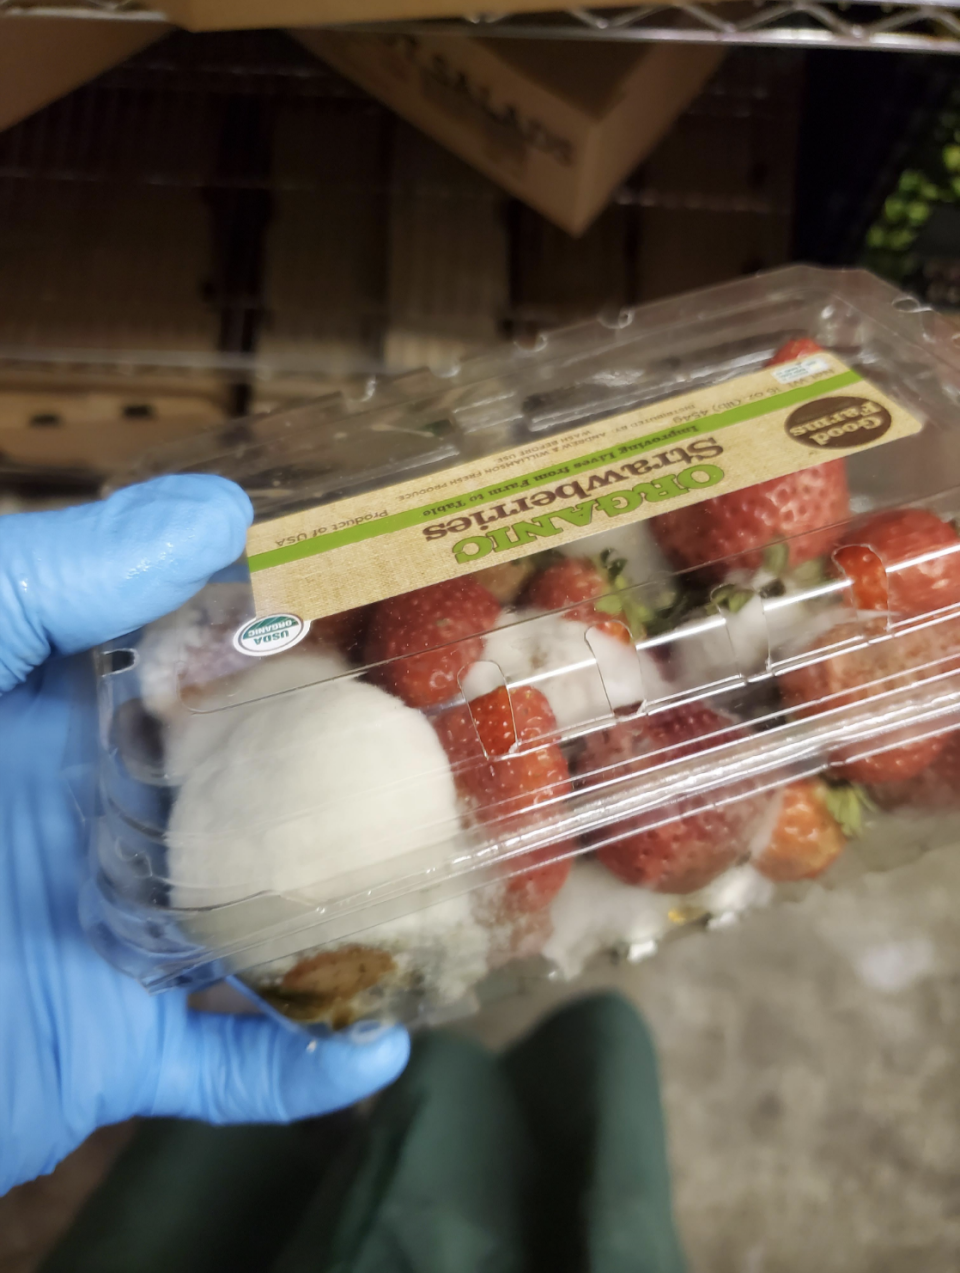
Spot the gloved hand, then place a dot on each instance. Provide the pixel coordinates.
(82, 1045)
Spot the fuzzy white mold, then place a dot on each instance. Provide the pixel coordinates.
(633, 544)
(595, 911)
(740, 889)
(195, 641)
(289, 793)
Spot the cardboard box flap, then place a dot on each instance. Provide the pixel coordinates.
(556, 124)
(41, 59)
(589, 76)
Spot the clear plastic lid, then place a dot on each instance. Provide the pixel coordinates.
(553, 654)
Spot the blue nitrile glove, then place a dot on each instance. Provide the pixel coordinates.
(82, 1045)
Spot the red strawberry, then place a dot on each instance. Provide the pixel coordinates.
(445, 622)
(812, 830)
(343, 631)
(870, 555)
(800, 348)
(504, 766)
(934, 789)
(575, 579)
(867, 670)
(809, 504)
(698, 844)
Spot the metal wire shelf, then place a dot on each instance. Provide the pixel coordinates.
(841, 24)
(107, 10)
(929, 27)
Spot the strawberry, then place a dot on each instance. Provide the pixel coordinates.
(343, 632)
(814, 824)
(800, 348)
(504, 766)
(864, 671)
(807, 505)
(870, 556)
(441, 627)
(803, 507)
(507, 580)
(577, 579)
(935, 789)
(697, 844)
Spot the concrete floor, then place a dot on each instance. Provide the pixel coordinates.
(811, 1075)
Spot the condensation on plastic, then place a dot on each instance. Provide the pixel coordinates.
(219, 851)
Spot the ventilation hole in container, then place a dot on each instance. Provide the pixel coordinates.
(530, 342)
(616, 319)
(139, 411)
(866, 576)
(360, 390)
(747, 632)
(701, 654)
(619, 666)
(45, 420)
(118, 661)
(482, 677)
(909, 305)
(497, 731)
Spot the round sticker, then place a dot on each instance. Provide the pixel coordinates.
(832, 422)
(270, 635)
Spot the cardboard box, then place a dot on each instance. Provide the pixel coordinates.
(101, 432)
(558, 124)
(219, 15)
(42, 58)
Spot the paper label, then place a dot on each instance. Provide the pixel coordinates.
(568, 486)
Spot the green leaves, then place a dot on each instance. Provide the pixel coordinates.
(731, 598)
(609, 605)
(623, 603)
(846, 802)
(810, 573)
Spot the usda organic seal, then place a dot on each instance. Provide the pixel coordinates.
(270, 635)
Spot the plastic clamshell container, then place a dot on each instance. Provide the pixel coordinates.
(579, 745)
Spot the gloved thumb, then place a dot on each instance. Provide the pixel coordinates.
(248, 1069)
(73, 578)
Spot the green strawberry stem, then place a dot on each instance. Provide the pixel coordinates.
(846, 802)
(730, 597)
(776, 558)
(810, 573)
